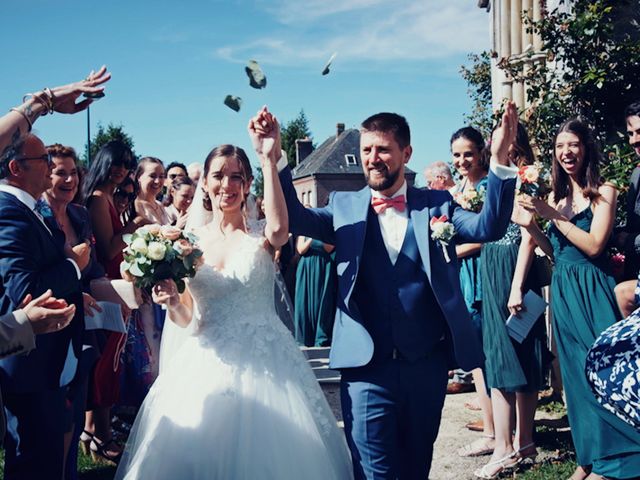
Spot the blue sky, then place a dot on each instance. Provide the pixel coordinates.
(173, 62)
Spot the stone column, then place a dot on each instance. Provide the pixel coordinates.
(505, 44)
(516, 48)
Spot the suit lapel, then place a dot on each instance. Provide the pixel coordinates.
(419, 213)
(359, 211)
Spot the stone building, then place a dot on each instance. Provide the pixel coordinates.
(333, 166)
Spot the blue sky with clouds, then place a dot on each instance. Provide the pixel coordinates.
(173, 62)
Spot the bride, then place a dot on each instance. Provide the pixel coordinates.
(236, 399)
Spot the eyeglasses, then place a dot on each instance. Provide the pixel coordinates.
(46, 157)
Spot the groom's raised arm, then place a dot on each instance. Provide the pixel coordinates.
(492, 221)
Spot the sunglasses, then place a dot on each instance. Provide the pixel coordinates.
(129, 196)
(46, 157)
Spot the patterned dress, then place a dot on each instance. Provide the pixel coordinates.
(613, 367)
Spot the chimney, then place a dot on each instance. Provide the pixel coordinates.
(339, 129)
(304, 147)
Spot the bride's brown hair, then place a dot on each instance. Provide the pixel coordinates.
(227, 151)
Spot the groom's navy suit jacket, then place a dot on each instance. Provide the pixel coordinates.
(344, 223)
(32, 261)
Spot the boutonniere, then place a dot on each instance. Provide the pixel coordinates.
(442, 231)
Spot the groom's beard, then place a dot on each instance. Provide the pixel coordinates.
(383, 184)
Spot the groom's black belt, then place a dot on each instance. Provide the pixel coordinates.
(396, 354)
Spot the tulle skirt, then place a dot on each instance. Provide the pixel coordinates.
(205, 418)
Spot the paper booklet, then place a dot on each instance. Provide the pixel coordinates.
(110, 318)
(520, 326)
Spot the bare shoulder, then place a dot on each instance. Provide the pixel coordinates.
(609, 192)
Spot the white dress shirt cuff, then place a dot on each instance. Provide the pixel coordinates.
(75, 265)
(503, 172)
(24, 333)
(283, 162)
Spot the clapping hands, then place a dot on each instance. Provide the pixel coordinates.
(46, 313)
(264, 131)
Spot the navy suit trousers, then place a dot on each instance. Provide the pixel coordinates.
(392, 414)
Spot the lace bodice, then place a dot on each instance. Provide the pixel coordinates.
(237, 292)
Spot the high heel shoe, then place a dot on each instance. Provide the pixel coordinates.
(101, 451)
(504, 464)
(85, 442)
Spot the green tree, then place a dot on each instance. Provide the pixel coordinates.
(591, 70)
(291, 131)
(103, 136)
(478, 78)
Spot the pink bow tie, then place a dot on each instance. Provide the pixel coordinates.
(381, 204)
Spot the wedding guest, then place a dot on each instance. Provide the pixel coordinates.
(31, 262)
(150, 178)
(628, 240)
(515, 372)
(179, 200)
(175, 170)
(109, 169)
(72, 223)
(195, 171)
(581, 211)
(123, 200)
(44, 314)
(438, 176)
(315, 292)
(467, 146)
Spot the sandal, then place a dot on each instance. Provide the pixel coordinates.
(504, 464)
(478, 448)
(521, 456)
(85, 442)
(103, 451)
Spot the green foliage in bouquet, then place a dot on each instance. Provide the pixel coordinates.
(154, 253)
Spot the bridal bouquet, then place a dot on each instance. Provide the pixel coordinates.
(155, 253)
(534, 180)
(471, 200)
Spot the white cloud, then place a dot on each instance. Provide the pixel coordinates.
(366, 30)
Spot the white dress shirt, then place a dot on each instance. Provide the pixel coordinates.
(393, 224)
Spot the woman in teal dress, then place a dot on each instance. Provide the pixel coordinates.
(581, 211)
(467, 146)
(515, 372)
(315, 297)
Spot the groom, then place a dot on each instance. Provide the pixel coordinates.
(401, 318)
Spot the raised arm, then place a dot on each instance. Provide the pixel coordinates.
(264, 131)
(21, 118)
(492, 221)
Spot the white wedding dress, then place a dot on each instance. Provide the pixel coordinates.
(237, 399)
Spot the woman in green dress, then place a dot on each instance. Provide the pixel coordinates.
(515, 372)
(581, 211)
(467, 146)
(315, 297)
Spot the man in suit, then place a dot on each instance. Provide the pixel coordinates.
(31, 262)
(401, 318)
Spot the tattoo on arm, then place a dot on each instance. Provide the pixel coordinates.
(11, 149)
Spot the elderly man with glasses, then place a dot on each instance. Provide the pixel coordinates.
(32, 261)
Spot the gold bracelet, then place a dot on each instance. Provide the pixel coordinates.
(24, 115)
(36, 98)
(52, 98)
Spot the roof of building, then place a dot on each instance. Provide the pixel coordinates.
(331, 157)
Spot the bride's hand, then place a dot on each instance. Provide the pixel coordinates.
(264, 132)
(165, 292)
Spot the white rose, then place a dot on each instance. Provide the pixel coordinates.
(139, 246)
(531, 174)
(156, 251)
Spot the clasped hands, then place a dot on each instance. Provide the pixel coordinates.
(264, 131)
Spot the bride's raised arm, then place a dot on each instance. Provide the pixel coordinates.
(179, 305)
(264, 131)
